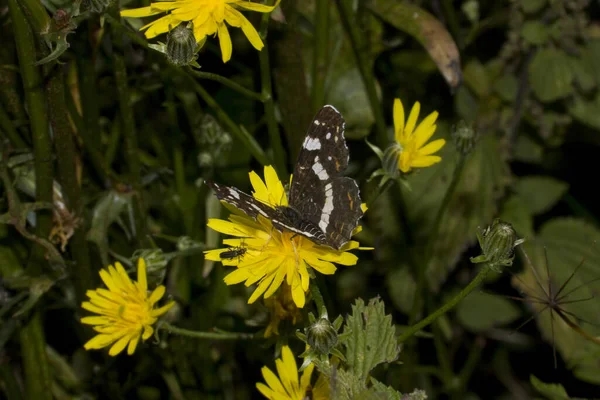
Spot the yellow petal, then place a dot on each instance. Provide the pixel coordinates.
(161, 25)
(224, 41)
(423, 134)
(306, 375)
(157, 294)
(426, 161)
(272, 380)
(412, 119)
(133, 344)
(119, 346)
(95, 320)
(398, 120)
(298, 294)
(324, 267)
(260, 191)
(141, 274)
(254, 6)
(160, 311)
(265, 391)
(274, 187)
(140, 12)
(148, 331)
(108, 281)
(432, 147)
(252, 35)
(98, 342)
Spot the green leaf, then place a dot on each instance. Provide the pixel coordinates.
(481, 311)
(507, 87)
(516, 211)
(551, 75)
(401, 288)
(586, 111)
(424, 27)
(568, 242)
(551, 391)
(532, 6)
(540, 193)
(527, 150)
(476, 78)
(583, 71)
(535, 32)
(372, 340)
(591, 57)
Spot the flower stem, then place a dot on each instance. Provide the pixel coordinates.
(381, 189)
(421, 276)
(241, 134)
(230, 84)
(219, 335)
(65, 154)
(33, 344)
(446, 307)
(365, 69)
(320, 43)
(10, 131)
(267, 93)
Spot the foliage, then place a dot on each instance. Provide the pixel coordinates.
(110, 127)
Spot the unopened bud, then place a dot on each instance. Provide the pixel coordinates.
(155, 264)
(322, 336)
(464, 137)
(498, 242)
(391, 158)
(181, 45)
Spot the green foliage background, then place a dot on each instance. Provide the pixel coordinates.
(130, 139)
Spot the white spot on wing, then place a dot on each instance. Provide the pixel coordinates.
(327, 208)
(328, 136)
(320, 171)
(234, 193)
(316, 122)
(311, 143)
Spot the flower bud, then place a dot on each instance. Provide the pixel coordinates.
(155, 264)
(390, 160)
(498, 243)
(464, 137)
(322, 336)
(181, 45)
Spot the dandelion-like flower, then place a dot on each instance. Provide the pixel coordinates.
(287, 386)
(126, 312)
(272, 256)
(208, 17)
(281, 307)
(411, 142)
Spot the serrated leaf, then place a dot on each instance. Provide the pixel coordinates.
(568, 242)
(372, 340)
(473, 204)
(550, 391)
(385, 392)
(425, 28)
(540, 193)
(481, 311)
(551, 75)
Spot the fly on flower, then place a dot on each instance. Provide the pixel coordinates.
(125, 311)
(208, 17)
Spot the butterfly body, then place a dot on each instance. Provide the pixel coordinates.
(322, 205)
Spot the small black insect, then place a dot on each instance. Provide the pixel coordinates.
(233, 252)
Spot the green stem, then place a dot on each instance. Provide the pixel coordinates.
(230, 84)
(320, 58)
(220, 335)
(421, 276)
(66, 160)
(243, 136)
(10, 131)
(317, 297)
(446, 307)
(267, 92)
(33, 343)
(36, 15)
(365, 68)
(131, 141)
(381, 189)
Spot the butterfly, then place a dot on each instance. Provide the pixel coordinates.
(323, 206)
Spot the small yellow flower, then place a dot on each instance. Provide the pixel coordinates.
(287, 386)
(208, 17)
(126, 312)
(414, 153)
(272, 256)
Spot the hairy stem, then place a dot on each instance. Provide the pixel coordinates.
(267, 92)
(217, 335)
(320, 59)
(446, 307)
(33, 344)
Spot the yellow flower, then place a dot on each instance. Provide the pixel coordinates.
(282, 307)
(414, 153)
(208, 17)
(126, 312)
(288, 386)
(272, 256)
